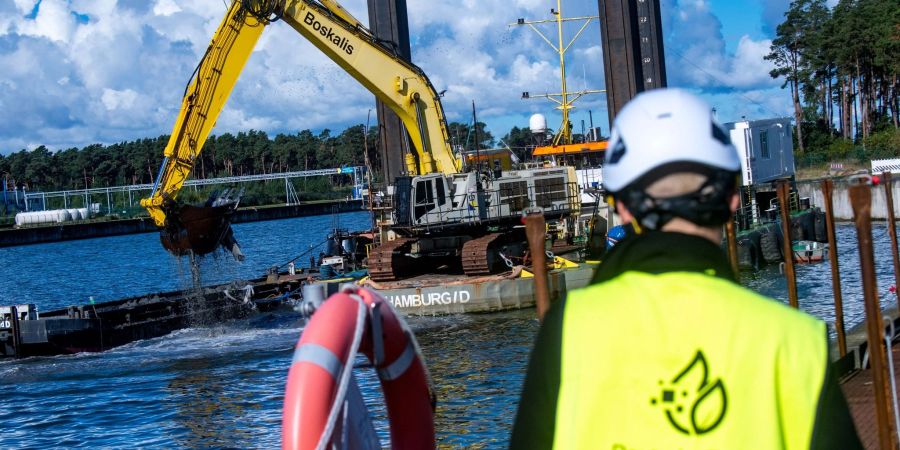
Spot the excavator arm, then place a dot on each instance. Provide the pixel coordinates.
(400, 85)
(204, 98)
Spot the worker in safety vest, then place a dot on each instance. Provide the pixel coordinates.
(664, 350)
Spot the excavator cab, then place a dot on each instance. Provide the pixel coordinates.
(200, 230)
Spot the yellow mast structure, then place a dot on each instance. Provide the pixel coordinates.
(564, 98)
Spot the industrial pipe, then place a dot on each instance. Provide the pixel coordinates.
(892, 227)
(861, 201)
(827, 192)
(535, 231)
(787, 248)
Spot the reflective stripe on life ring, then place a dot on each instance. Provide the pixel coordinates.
(397, 368)
(320, 356)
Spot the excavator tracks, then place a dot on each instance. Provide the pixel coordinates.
(479, 256)
(388, 261)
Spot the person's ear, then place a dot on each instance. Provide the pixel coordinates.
(624, 213)
(735, 202)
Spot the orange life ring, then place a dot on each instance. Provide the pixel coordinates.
(356, 320)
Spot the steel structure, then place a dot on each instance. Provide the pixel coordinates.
(633, 57)
(565, 99)
(291, 197)
(388, 22)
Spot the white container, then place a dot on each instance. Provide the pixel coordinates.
(62, 215)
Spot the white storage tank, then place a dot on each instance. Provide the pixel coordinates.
(22, 218)
(52, 216)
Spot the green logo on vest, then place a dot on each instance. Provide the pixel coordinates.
(693, 404)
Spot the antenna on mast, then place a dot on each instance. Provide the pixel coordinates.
(564, 99)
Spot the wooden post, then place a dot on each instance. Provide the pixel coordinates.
(827, 191)
(861, 200)
(892, 227)
(731, 238)
(16, 335)
(787, 247)
(535, 231)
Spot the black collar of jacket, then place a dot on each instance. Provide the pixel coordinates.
(660, 252)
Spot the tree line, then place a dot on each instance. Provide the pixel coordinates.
(841, 65)
(245, 153)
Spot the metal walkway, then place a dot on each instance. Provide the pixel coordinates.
(39, 199)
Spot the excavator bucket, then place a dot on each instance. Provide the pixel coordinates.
(201, 229)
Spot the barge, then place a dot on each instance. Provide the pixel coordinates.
(25, 331)
(448, 294)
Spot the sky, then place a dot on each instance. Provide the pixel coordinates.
(79, 72)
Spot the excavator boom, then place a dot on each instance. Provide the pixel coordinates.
(439, 213)
(333, 30)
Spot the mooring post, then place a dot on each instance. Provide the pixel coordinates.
(787, 247)
(731, 238)
(827, 191)
(535, 231)
(14, 322)
(892, 227)
(861, 201)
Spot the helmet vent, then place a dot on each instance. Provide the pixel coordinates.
(617, 153)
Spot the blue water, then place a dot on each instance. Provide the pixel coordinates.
(814, 286)
(222, 386)
(65, 273)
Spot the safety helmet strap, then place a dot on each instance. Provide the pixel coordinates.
(707, 206)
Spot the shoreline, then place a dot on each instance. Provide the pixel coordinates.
(87, 230)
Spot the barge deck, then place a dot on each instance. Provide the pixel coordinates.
(24, 331)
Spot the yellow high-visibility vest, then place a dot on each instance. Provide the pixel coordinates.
(686, 361)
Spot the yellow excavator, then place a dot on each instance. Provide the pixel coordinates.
(440, 214)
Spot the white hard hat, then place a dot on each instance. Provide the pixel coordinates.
(661, 127)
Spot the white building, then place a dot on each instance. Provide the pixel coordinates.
(765, 147)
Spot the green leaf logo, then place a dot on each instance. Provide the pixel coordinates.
(709, 409)
(692, 403)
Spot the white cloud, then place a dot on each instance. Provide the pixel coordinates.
(120, 74)
(113, 99)
(25, 6)
(749, 68)
(54, 22)
(165, 8)
(696, 58)
(751, 104)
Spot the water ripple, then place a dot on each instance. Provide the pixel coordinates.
(222, 386)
